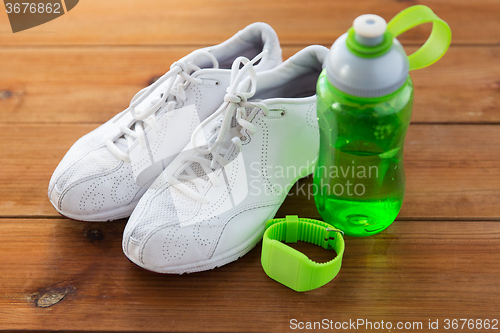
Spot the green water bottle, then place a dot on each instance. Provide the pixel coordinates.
(365, 98)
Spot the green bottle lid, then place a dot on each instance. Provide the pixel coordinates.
(369, 62)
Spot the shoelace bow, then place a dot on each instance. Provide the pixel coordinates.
(235, 102)
(178, 75)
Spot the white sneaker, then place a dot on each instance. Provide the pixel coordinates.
(105, 173)
(210, 205)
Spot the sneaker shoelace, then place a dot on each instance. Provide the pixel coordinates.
(175, 82)
(234, 107)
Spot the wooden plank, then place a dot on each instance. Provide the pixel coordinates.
(453, 171)
(30, 154)
(414, 271)
(84, 84)
(187, 22)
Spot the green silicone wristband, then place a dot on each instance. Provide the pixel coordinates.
(292, 268)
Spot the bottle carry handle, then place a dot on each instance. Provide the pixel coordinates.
(436, 45)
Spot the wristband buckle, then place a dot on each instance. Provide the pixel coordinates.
(328, 237)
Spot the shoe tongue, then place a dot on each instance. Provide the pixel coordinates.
(226, 143)
(201, 60)
(155, 95)
(122, 144)
(198, 170)
(249, 110)
(225, 149)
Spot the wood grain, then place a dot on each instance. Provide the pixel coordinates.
(82, 84)
(62, 79)
(194, 22)
(413, 271)
(453, 171)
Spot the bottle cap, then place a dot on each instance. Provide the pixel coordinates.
(369, 61)
(369, 29)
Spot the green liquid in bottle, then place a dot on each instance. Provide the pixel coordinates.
(359, 179)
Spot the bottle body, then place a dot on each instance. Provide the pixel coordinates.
(359, 179)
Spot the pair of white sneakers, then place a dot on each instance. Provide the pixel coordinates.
(203, 157)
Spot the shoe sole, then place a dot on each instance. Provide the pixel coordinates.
(226, 257)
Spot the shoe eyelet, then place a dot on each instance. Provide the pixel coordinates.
(211, 82)
(283, 112)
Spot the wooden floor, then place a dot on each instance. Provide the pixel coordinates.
(439, 260)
